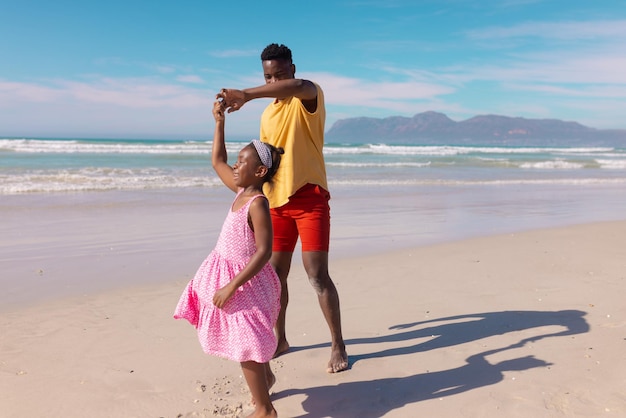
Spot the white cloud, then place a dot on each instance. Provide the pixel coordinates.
(592, 30)
(558, 68)
(10, 92)
(582, 92)
(164, 69)
(193, 79)
(230, 53)
(116, 107)
(133, 93)
(347, 91)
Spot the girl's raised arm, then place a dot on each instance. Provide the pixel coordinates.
(219, 156)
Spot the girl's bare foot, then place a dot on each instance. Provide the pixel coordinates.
(263, 413)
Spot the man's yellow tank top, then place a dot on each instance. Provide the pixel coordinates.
(287, 124)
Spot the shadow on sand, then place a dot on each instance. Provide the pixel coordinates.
(377, 397)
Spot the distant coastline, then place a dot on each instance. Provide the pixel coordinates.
(426, 128)
(433, 128)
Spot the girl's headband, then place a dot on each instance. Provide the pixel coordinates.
(265, 154)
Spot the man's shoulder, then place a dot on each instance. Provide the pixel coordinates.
(320, 93)
(319, 88)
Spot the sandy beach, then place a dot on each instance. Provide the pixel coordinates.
(514, 324)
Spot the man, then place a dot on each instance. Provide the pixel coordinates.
(299, 194)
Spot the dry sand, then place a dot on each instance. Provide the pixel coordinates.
(529, 324)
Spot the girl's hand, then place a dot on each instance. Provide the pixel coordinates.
(222, 296)
(218, 111)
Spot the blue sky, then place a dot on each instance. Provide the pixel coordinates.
(150, 69)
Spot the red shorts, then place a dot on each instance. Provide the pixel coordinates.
(307, 214)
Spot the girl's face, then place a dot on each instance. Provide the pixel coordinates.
(246, 169)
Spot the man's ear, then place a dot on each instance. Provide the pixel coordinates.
(293, 69)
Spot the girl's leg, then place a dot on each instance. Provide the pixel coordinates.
(255, 374)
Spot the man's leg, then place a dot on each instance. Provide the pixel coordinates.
(316, 266)
(281, 261)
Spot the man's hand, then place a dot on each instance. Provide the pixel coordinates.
(232, 99)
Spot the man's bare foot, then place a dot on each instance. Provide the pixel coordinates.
(282, 348)
(338, 360)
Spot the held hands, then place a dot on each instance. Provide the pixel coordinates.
(231, 99)
(222, 296)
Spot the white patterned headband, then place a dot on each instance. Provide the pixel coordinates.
(264, 152)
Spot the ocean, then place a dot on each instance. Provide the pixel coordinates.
(424, 194)
(118, 205)
(32, 165)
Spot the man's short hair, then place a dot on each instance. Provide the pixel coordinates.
(276, 52)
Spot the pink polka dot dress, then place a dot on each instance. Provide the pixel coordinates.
(243, 330)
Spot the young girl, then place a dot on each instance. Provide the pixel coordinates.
(234, 298)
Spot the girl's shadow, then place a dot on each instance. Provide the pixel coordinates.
(375, 398)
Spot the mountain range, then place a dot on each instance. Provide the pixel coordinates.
(430, 128)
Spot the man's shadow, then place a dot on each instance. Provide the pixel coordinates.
(377, 397)
(460, 329)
